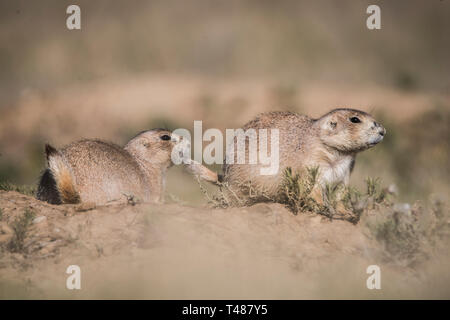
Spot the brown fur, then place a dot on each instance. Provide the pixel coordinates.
(63, 179)
(330, 143)
(102, 172)
(66, 188)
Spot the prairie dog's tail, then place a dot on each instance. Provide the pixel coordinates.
(62, 175)
(204, 173)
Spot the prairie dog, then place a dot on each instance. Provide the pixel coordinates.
(101, 172)
(330, 143)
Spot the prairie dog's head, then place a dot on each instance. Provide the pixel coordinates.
(154, 146)
(350, 130)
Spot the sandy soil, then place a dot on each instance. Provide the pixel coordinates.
(173, 251)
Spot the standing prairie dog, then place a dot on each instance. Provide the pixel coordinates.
(102, 172)
(330, 143)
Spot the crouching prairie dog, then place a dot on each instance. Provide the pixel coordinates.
(330, 143)
(99, 172)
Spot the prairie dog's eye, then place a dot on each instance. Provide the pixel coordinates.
(165, 137)
(355, 120)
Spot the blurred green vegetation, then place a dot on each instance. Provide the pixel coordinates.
(287, 39)
(25, 170)
(414, 154)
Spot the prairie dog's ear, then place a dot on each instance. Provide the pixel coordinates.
(144, 142)
(329, 124)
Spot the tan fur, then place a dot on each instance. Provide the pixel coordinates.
(202, 172)
(100, 172)
(330, 142)
(64, 180)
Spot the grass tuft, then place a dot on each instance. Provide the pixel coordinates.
(406, 233)
(25, 189)
(296, 191)
(20, 227)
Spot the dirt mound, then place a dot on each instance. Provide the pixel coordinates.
(173, 251)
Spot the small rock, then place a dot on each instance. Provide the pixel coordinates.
(404, 208)
(39, 219)
(392, 189)
(43, 244)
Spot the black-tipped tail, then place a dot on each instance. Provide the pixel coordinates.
(50, 151)
(58, 177)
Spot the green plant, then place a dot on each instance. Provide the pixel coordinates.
(297, 189)
(26, 190)
(20, 227)
(352, 199)
(375, 193)
(332, 194)
(297, 194)
(399, 231)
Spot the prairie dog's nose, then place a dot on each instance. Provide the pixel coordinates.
(380, 129)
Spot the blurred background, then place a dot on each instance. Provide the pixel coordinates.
(136, 65)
